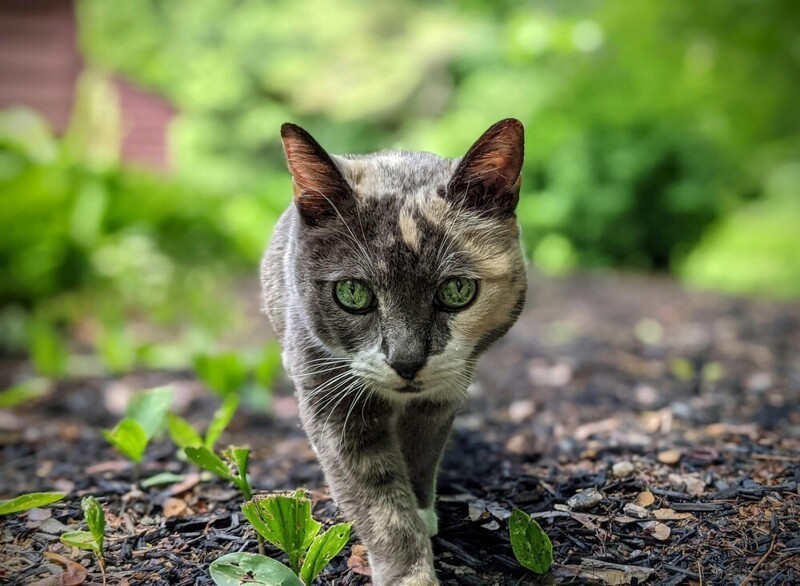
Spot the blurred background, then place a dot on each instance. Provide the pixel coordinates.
(141, 169)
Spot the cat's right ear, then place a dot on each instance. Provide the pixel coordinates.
(320, 190)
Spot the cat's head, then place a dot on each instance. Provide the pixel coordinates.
(409, 264)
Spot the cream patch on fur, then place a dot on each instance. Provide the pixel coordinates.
(408, 229)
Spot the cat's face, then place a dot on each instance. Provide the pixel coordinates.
(409, 264)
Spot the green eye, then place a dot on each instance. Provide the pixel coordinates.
(354, 296)
(457, 293)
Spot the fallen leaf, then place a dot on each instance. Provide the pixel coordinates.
(493, 525)
(358, 561)
(657, 530)
(174, 507)
(74, 572)
(112, 466)
(670, 456)
(645, 499)
(604, 572)
(188, 483)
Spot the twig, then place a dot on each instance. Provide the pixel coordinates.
(778, 457)
(761, 561)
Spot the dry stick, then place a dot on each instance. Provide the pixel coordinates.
(761, 561)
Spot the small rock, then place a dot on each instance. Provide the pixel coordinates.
(52, 527)
(670, 456)
(636, 511)
(657, 530)
(622, 469)
(519, 411)
(586, 499)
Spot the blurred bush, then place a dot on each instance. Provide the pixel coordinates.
(660, 136)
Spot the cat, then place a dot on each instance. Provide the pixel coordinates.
(385, 280)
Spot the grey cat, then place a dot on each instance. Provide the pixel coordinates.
(385, 280)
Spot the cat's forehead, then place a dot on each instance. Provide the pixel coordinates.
(395, 173)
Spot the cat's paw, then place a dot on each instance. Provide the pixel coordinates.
(430, 519)
(426, 579)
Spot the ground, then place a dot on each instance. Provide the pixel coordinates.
(681, 409)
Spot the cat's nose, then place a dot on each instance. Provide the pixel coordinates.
(408, 370)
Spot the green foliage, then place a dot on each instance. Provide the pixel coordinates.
(93, 539)
(236, 569)
(531, 545)
(224, 373)
(184, 434)
(144, 417)
(23, 392)
(285, 521)
(29, 501)
(236, 458)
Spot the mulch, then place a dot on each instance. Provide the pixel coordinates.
(654, 434)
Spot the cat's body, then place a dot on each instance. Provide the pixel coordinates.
(385, 280)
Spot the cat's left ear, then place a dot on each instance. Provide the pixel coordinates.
(488, 177)
(320, 190)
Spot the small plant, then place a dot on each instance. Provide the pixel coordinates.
(29, 501)
(144, 417)
(93, 539)
(186, 436)
(222, 373)
(532, 547)
(286, 522)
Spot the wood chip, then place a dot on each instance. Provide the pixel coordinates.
(670, 515)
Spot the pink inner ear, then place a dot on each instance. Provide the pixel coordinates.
(317, 183)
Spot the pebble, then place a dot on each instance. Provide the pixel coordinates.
(622, 469)
(669, 456)
(586, 499)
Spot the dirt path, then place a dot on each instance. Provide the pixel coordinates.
(686, 406)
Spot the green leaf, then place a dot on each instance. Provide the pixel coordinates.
(208, 460)
(93, 513)
(240, 568)
(81, 540)
(149, 408)
(532, 546)
(222, 417)
(161, 479)
(269, 366)
(240, 457)
(129, 438)
(23, 392)
(285, 521)
(223, 373)
(323, 549)
(29, 501)
(182, 432)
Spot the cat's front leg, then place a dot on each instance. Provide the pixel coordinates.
(369, 479)
(423, 428)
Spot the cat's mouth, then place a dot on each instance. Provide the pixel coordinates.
(410, 388)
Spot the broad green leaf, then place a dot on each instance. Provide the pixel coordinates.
(223, 373)
(285, 521)
(29, 501)
(222, 417)
(129, 438)
(149, 408)
(236, 569)
(48, 351)
(95, 519)
(532, 546)
(323, 549)
(162, 478)
(81, 540)
(208, 460)
(182, 432)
